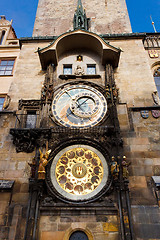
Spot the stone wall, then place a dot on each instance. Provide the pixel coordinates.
(13, 166)
(54, 19)
(97, 227)
(142, 147)
(12, 53)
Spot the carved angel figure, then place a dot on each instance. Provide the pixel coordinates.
(42, 164)
(79, 71)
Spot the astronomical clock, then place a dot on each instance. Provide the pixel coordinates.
(79, 172)
(79, 106)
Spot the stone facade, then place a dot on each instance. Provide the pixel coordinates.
(30, 208)
(108, 17)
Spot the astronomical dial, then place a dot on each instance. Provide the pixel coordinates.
(79, 106)
(79, 172)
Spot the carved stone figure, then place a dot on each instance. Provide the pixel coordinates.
(79, 71)
(125, 167)
(115, 92)
(42, 164)
(156, 98)
(33, 167)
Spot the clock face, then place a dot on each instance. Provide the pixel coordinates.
(79, 172)
(79, 106)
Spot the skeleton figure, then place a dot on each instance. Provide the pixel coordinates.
(125, 167)
(42, 164)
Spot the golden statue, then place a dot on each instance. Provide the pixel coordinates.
(43, 163)
(114, 168)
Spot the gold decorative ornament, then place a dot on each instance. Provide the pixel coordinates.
(7, 102)
(79, 58)
(79, 172)
(43, 163)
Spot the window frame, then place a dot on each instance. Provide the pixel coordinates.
(1, 108)
(2, 37)
(91, 66)
(67, 66)
(31, 112)
(157, 80)
(78, 231)
(5, 71)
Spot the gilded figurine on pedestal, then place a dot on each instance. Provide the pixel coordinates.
(114, 168)
(108, 91)
(42, 164)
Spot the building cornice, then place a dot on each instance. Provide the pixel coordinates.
(104, 36)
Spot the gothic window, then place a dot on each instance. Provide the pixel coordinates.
(6, 67)
(78, 235)
(91, 69)
(1, 103)
(67, 69)
(157, 80)
(31, 119)
(2, 37)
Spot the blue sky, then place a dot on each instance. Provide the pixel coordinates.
(23, 14)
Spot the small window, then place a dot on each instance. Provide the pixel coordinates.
(67, 69)
(2, 99)
(157, 80)
(2, 37)
(78, 235)
(6, 67)
(31, 119)
(91, 69)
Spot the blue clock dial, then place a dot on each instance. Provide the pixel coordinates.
(79, 106)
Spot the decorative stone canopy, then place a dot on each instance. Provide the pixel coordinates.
(80, 18)
(81, 40)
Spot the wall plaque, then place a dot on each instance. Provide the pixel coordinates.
(6, 185)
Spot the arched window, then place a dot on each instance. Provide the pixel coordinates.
(2, 37)
(157, 80)
(78, 235)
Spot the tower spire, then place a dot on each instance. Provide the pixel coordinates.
(80, 19)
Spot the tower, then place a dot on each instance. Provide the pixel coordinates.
(54, 19)
(80, 126)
